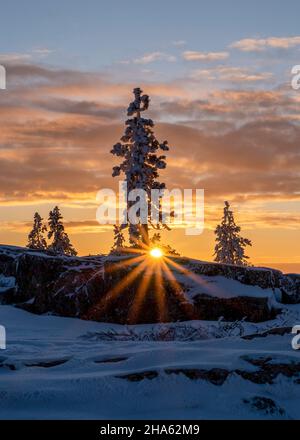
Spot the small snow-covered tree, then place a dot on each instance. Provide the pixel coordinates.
(230, 246)
(119, 239)
(155, 239)
(61, 243)
(36, 239)
(140, 149)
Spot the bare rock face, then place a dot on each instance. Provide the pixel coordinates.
(134, 304)
(290, 288)
(253, 309)
(103, 289)
(48, 283)
(7, 264)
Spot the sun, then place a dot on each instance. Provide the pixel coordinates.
(156, 253)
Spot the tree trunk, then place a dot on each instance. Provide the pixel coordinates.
(145, 235)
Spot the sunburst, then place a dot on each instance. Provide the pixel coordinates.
(149, 264)
(156, 252)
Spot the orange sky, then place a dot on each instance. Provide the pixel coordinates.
(239, 144)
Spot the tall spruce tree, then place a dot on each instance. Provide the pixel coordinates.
(61, 243)
(36, 239)
(139, 149)
(230, 246)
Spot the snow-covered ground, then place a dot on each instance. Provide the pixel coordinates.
(57, 367)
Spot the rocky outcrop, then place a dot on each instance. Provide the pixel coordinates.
(290, 288)
(103, 289)
(288, 285)
(253, 309)
(261, 277)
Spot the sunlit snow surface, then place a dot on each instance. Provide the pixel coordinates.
(62, 368)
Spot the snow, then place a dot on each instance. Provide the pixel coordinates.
(6, 282)
(221, 287)
(80, 375)
(68, 368)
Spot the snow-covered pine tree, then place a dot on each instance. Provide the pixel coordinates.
(155, 239)
(61, 243)
(230, 246)
(36, 239)
(139, 149)
(119, 240)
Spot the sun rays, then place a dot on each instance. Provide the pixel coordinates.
(148, 276)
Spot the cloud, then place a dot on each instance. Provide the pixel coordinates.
(32, 80)
(81, 107)
(77, 226)
(14, 57)
(42, 51)
(87, 226)
(231, 74)
(154, 56)
(261, 44)
(235, 107)
(58, 126)
(191, 55)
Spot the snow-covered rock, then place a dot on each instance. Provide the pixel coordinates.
(104, 289)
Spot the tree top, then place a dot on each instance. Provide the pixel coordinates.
(140, 103)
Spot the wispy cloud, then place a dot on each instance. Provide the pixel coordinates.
(42, 51)
(14, 57)
(154, 56)
(179, 43)
(230, 74)
(261, 44)
(191, 55)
